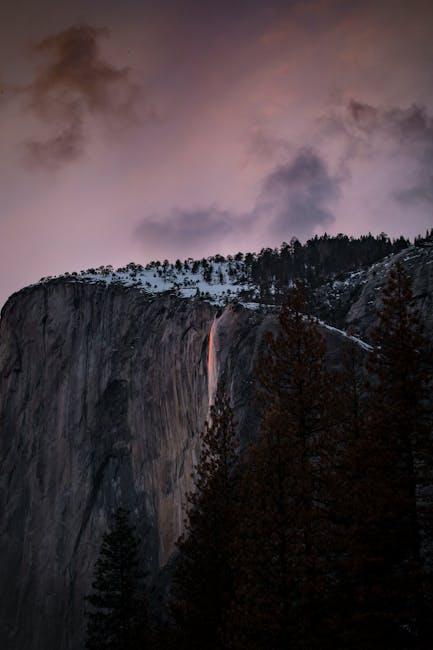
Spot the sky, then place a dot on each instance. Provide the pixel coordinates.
(140, 130)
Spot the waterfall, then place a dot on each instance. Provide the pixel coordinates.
(212, 361)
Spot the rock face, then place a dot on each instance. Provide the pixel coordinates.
(103, 391)
(102, 394)
(418, 262)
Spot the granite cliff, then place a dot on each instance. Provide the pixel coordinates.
(103, 390)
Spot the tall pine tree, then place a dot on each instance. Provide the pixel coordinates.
(118, 617)
(350, 384)
(203, 580)
(285, 533)
(392, 457)
(400, 417)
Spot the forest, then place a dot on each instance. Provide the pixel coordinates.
(319, 533)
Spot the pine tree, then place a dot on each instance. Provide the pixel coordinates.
(392, 456)
(203, 579)
(349, 499)
(285, 531)
(399, 414)
(118, 616)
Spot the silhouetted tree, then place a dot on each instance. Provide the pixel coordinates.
(391, 458)
(285, 533)
(203, 579)
(345, 479)
(118, 617)
(319, 258)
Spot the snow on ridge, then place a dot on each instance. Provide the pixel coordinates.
(254, 306)
(362, 344)
(224, 283)
(218, 281)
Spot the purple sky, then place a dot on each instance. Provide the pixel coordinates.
(138, 130)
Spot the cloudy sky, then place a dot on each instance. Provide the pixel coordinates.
(138, 130)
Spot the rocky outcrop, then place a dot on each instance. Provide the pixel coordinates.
(418, 262)
(103, 390)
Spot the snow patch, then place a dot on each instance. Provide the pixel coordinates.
(218, 282)
(355, 339)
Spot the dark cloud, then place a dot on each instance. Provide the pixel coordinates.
(266, 146)
(72, 83)
(68, 145)
(75, 67)
(409, 126)
(294, 200)
(295, 197)
(403, 132)
(362, 114)
(421, 193)
(187, 229)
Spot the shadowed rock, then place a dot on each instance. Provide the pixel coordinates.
(103, 391)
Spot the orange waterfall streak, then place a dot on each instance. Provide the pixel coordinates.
(212, 363)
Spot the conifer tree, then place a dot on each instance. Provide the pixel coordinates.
(348, 497)
(393, 455)
(117, 619)
(399, 414)
(203, 579)
(285, 531)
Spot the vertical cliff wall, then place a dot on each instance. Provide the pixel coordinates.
(102, 394)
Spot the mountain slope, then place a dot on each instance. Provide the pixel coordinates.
(103, 389)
